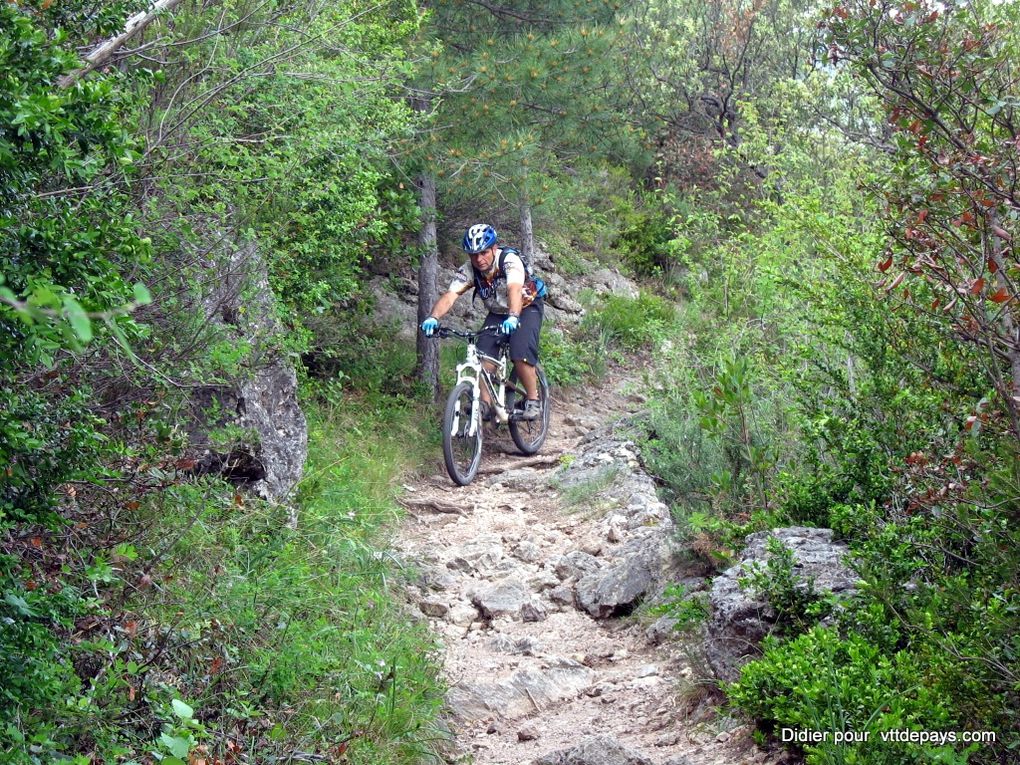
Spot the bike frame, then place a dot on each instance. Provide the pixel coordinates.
(473, 370)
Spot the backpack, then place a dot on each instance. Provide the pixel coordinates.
(539, 288)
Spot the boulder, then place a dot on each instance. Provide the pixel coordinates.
(576, 564)
(595, 750)
(506, 598)
(740, 618)
(250, 429)
(617, 589)
(523, 693)
(611, 282)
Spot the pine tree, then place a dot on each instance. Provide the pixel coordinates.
(529, 90)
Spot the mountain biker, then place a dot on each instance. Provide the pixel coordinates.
(514, 302)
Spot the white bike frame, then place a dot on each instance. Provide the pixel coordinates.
(472, 370)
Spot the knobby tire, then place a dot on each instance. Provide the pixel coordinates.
(529, 435)
(461, 452)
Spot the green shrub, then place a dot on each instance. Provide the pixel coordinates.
(35, 671)
(632, 323)
(569, 362)
(350, 350)
(689, 610)
(645, 239)
(822, 682)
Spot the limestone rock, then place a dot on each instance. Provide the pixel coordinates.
(482, 556)
(740, 619)
(611, 282)
(260, 404)
(576, 564)
(595, 750)
(524, 693)
(505, 598)
(617, 590)
(434, 607)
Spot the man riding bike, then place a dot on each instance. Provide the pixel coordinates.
(513, 297)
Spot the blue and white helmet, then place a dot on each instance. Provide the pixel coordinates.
(478, 237)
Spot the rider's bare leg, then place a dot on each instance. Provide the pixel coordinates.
(526, 374)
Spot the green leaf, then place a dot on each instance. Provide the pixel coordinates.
(182, 710)
(179, 747)
(19, 604)
(44, 297)
(126, 551)
(78, 319)
(142, 294)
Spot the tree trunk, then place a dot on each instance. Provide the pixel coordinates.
(527, 230)
(428, 270)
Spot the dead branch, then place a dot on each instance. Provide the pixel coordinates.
(104, 52)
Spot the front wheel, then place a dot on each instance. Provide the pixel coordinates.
(529, 435)
(462, 451)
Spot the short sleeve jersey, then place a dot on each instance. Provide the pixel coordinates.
(492, 287)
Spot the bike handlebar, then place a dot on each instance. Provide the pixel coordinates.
(448, 331)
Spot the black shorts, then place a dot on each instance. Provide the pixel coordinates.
(523, 342)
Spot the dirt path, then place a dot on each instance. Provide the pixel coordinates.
(531, 673)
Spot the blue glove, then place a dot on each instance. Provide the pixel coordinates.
(509, 325)
(429, 326)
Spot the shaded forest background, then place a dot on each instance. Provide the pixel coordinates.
(819, 199)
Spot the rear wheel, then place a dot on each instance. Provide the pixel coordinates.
(529, 435)
(462, 451)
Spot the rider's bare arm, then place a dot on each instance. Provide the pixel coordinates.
(515, 298)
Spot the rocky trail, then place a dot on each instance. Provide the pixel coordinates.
(531, 576)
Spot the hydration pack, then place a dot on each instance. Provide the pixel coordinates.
(537, 285)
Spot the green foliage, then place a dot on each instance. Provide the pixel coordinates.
(34, 669)
(66, 237)
(45, 441)
(874, 419)
(205, 617)
(822, 682)
(65, 224)
(298, 143)
(647, 237)
(631, 323)
(688, 610)
(292, 637)
(350, 350)
(570, 361)
(951, 219)
(526, 96)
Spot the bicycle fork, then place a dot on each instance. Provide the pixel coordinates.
(474, 373)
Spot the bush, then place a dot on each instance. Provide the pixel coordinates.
(631, 323)
(567, 361)
(822, 682)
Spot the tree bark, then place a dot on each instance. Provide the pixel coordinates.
(527, 230)
(428, 270)
(105, 51)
